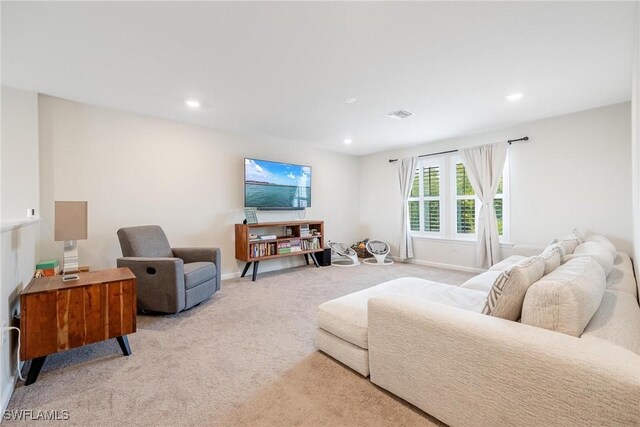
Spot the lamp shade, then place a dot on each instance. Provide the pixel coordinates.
(70, 221)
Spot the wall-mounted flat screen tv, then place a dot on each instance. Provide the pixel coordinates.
(275, 185)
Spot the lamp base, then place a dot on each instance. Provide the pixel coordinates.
(70, 260)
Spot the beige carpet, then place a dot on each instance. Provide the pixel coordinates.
(245, 357)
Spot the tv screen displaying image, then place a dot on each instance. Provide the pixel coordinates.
(276, 185)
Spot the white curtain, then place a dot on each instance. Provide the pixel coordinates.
(484, 165)
(406, 169)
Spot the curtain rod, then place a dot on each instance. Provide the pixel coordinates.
(510, 141)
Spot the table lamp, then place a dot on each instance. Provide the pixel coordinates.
(70, 226)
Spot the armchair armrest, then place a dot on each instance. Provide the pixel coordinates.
(466, 368)
(160, 282)
(199, 255)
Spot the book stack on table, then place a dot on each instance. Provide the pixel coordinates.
(47, 268)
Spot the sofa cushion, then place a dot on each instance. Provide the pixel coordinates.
(616, 321)
(346, 317)
(507, 263)
(552, 258)
(483, 281)
(596, 251)
(604, 242)
(569, 243)
(196, 273)
(621, 277)
(565, 300)
(507, 293)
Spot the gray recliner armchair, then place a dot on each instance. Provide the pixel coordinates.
(169, 280)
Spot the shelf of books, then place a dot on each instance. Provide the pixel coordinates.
(255, 242)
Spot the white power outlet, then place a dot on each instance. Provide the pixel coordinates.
(5, 333)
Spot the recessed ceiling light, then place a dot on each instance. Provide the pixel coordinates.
(514, 96)
(192, 103)
(348, 141)
(350, 100)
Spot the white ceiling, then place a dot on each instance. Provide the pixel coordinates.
(285, 69)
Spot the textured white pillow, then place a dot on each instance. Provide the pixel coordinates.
(580, 235)
(507, 293)
(565, 300)
(552, 258)
(596, 251)
(604, 242)
(569, 243)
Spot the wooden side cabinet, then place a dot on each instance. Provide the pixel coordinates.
(57, 316)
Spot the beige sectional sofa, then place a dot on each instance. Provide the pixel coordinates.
(430, 344)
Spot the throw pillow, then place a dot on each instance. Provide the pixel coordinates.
(507, 293)
(604, 242)
(596, 251)
(566, 300)
(580, 235)
(569, 243)
(556, 243)
(552, 257)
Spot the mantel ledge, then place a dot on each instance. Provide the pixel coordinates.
(17, 223)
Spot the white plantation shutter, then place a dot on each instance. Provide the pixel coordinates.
(425, 199)
(465, 202)
(431, 198)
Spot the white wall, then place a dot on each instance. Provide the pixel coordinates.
(135, 170)
(18, 237)
(574, 172)
(19, 153)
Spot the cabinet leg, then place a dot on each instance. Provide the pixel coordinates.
(306, 258)
(246, 268)
(34, 370)
(255, 270)
(124, 345)
(315, 261)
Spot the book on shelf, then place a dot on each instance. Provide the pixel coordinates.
(268, 237)
(310, 244)
(284, 247)
(296, 245)
(262, 249)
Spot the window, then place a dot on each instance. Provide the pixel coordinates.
(443, 203)
(465, 202)
(498, 205)
(425, 199)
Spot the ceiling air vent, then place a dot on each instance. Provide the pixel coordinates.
(400, 114)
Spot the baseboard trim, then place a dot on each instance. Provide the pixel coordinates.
(443, 265)
(230, 275)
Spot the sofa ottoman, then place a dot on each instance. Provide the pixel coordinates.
(343, 323)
